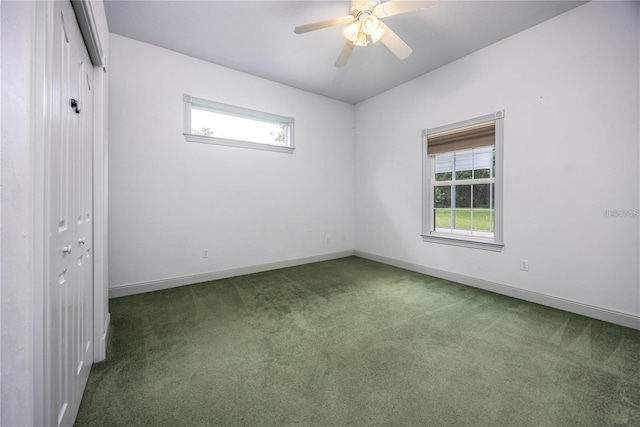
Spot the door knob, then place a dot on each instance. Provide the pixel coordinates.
(75, 104)
(82, 241)
(66, 249)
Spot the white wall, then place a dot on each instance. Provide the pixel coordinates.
(169, 199)
(16, 379)
(570, 90)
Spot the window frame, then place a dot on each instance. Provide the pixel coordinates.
(428, 182)
(191, 102)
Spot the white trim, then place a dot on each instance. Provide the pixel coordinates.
(430, 235)
(467, 242)
(102, 342)
(156, 285)
(1, 225)
(233, 143)
(611, 316)
(100, 224)
(464, 123)
(233, 110)
(498, 206)
(40, 171)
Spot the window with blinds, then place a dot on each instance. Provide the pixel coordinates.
(463, 183)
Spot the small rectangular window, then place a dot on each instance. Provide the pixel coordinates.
(215, 123)
(463, 183)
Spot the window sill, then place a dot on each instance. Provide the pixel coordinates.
(240, 144)
(487, 245)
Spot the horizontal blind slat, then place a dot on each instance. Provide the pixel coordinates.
(474, 136)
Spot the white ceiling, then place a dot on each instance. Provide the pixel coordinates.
(257, 37)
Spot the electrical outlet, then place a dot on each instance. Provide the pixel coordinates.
(524, 265)
(205, 253)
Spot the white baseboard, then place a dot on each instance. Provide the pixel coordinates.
(619, 318)
(157, 285)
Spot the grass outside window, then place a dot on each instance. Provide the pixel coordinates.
(466, 219)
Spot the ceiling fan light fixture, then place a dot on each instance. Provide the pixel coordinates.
(365, 25)
(351, 31)
(369, 24)
(361, 40)
(377, 35)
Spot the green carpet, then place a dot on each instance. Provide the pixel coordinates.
(352, 342)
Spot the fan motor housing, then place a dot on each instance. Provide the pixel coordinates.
(362, 9)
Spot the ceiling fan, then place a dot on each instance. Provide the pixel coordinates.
(365, 26)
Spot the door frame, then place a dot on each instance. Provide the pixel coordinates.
(40, 131)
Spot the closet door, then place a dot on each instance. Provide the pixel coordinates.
(69, 321)
(84, 227)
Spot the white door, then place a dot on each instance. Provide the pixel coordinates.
(84, 221)
(69, 323)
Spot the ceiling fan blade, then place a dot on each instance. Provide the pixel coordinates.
(345, 54)
(397, 7)
(394, 43)
(324, 24)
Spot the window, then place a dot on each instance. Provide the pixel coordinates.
(215, 123)
(463, 183)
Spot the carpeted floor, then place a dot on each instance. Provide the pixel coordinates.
(352, 342)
